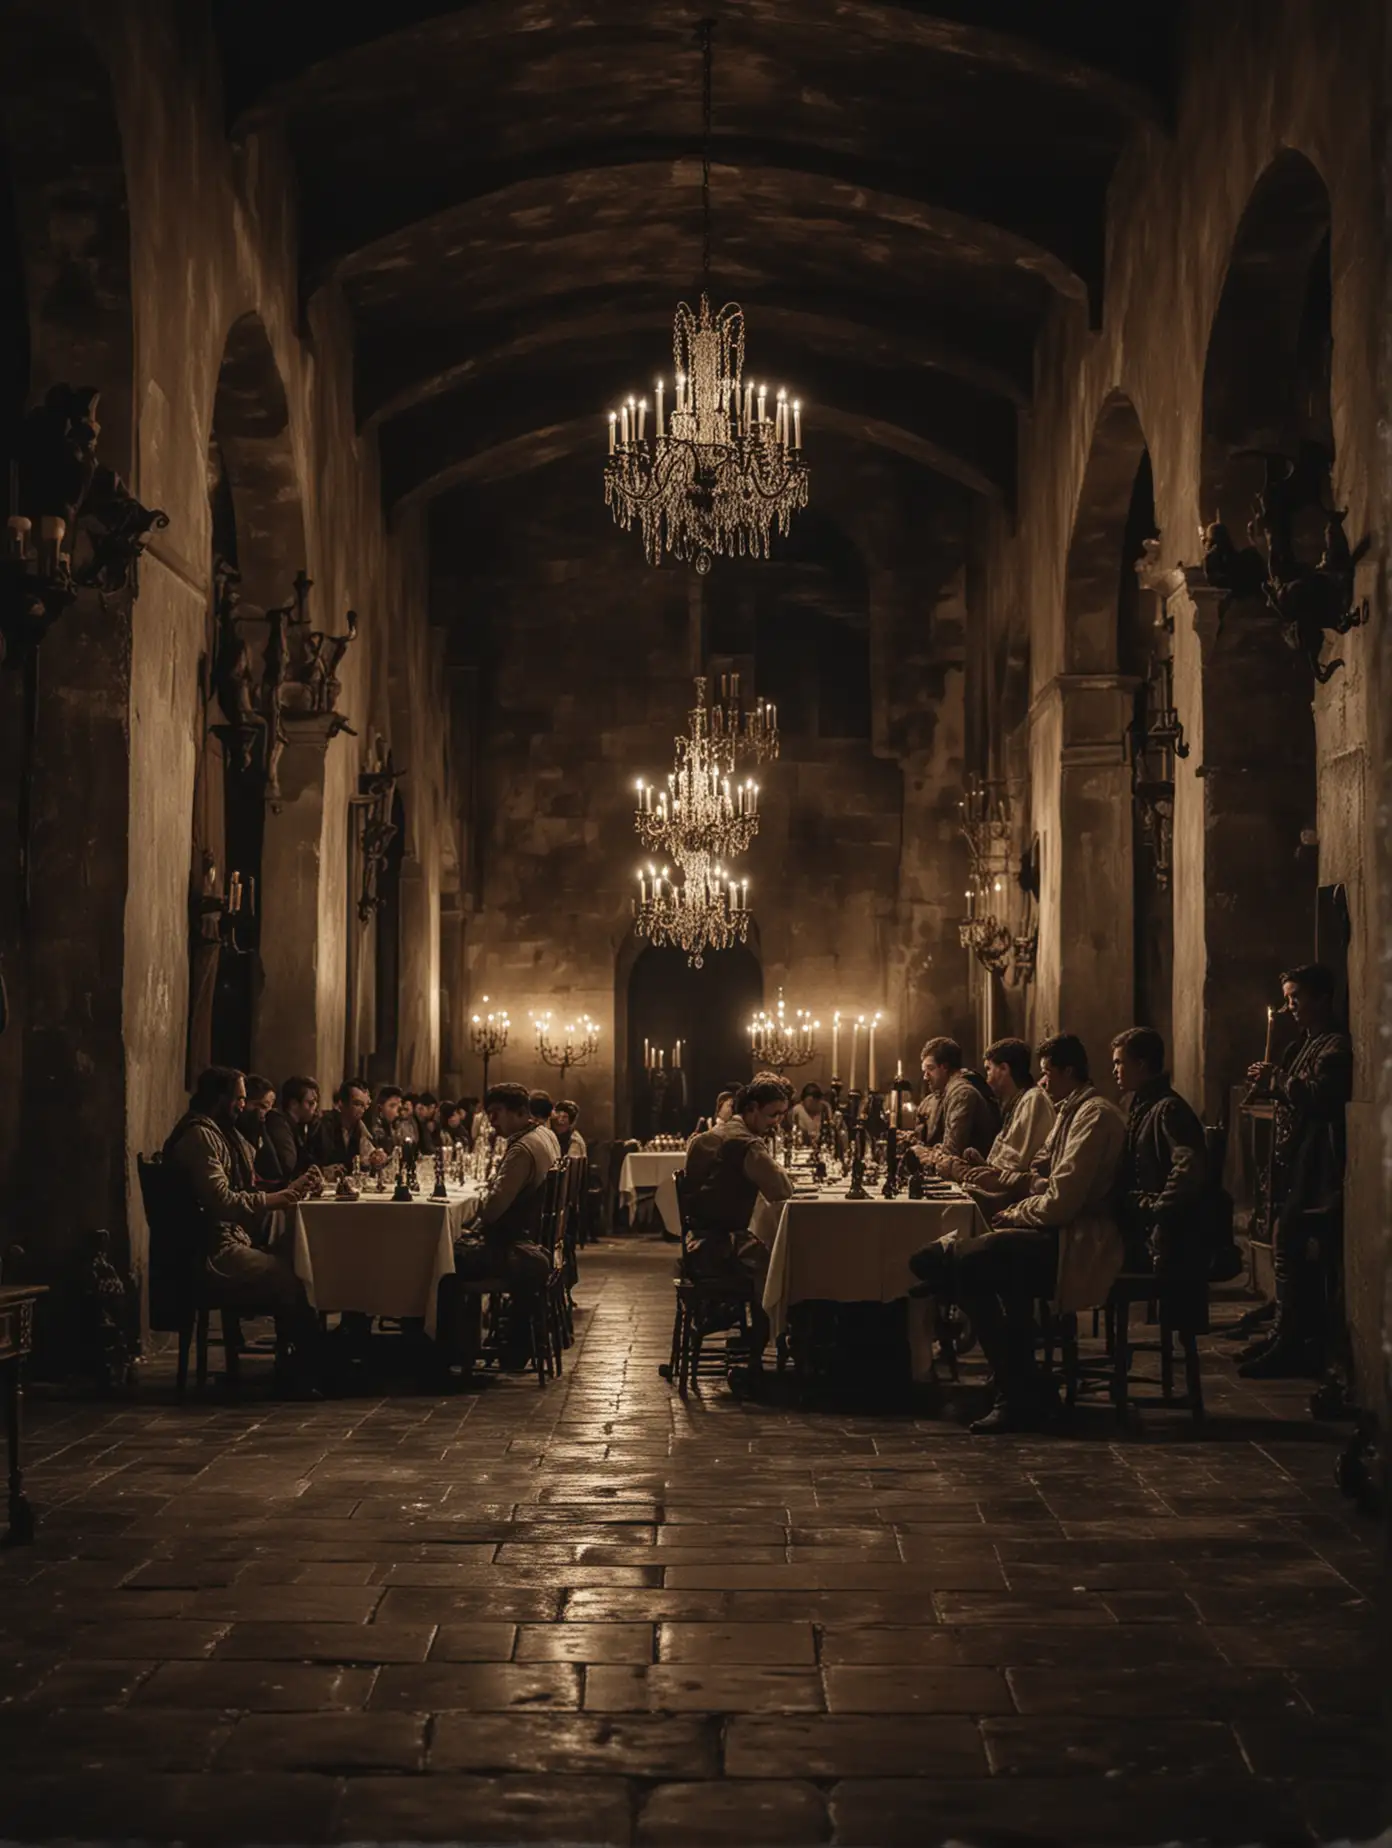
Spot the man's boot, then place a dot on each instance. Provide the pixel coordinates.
(1286, 1356)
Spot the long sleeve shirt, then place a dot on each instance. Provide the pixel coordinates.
(525, 1165)
(1026, 1129)
(1086, 1148)
(958, 1120)
(219, 1174)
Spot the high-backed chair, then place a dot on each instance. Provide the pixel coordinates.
(182, 1296)
(703, 1306)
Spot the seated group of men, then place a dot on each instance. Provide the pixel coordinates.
(218, 1146)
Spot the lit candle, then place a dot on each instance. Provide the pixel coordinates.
(1270, 1029)
(642, 418)
(613, 431)
(647, 1054)
(797, 423)
(748, 408)
(744, 895)
(658, 432)
(855, 1038)
(623, 425)
(873, 1024)
(763, 409)
(835, 1042)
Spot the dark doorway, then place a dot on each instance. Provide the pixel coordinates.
(708, 1010)
(387, 992)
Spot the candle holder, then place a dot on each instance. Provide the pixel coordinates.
(777, 1043)
(401, 1193)
(440, 1191)
(857, 1190)
(576, 1044)
(488, 1036)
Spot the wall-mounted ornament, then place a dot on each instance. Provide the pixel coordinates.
(1151, 743)
(375, 801)
(1298, 564)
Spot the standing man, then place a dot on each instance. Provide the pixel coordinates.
(957, 1112)
(1002, 1176)
(1166, 1184)
(1311, 1088)
(728, 1170)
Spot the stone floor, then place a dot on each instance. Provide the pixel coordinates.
(597, 1614)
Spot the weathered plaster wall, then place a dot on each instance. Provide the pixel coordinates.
(228, 214)
(1309, 83)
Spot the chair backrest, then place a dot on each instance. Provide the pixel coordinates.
(178, 1240)
(683, 1185)
(553, 1193)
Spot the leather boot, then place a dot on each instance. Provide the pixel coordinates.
(1286, 1356)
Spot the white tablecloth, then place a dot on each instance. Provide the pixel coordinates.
(377, 1255)
(857, 1251)
(654, 1168)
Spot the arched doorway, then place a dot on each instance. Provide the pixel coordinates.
(257, 548)
(1265, 397)
(385, 1037)
(708, 1010)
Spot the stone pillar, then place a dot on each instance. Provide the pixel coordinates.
(1260, 844)
(1082, 805)
(286, 1036)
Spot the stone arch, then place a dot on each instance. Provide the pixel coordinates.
(1265, 392)
(1097, 565)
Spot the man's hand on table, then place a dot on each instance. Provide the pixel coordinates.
(297, 1190)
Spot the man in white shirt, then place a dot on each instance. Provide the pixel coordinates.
(542, 1107)
(1003, 1176)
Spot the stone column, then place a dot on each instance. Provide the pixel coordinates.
(286, 1034)
(1260, 845)
(1082, 804)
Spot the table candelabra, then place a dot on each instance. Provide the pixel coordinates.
(488, 1036)
(857, 1190)
(569, 1047)
(439, 1191)
(401, 1192)
(780, 1043)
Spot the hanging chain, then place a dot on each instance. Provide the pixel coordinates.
(706, 33)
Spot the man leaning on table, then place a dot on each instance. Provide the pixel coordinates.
(1002, 1176)
(958, 1112)
(1060, 1243)
(728, 1170)
(207, 1150)
(509, 1221)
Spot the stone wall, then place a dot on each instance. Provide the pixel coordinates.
(585, 655)
(113, 871)
(1177, 202)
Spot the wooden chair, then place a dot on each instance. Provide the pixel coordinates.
(1177, 1307)
(703, 1306)
(619, 1151)
(182, 1297)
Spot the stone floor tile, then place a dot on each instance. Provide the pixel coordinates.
(850, 1745)
(286, 1604)
(913, 1583)
(1093, 1747)
(257, 1687)
(585, 1642)
(80, 1683)
(153, 1641)
(784, 1645)
(682, 1687)
(326, 1642)
(962, 1607)
(647, 1746)
(910, 1689)
(572, 1809)
(481, 1641)
(501, 1603)
(204, 1811)
(1161, 1691)
(931, 1645)
(441, 1687)
(1345, 1809)
(337, 1743)
(783, 1814)
(87, 1739)
(1313, 1746)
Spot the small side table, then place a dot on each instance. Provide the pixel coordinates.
(16, 1340)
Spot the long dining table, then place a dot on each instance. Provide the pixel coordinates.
(379, 1256)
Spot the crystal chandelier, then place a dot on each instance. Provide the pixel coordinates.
(780, 1043)
(700, 813)
(738, 731)
(704, 910)
(719, 469)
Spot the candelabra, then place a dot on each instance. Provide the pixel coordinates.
(778, 1043)
(988, 939)
(488, 1036)
(577, 1045)
(1152, 742)
(700, 812)
(717, 474)
(655, 1058)
(751, 732)
(706, 910)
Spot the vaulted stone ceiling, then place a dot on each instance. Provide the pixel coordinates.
(508, 196)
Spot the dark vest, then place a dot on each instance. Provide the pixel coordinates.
(719, 1196)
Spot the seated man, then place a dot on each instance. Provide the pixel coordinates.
(505, 1243)
(251, 1124)
(283, 1154)
(957, 1112)
(450, 1123)
(728, 1169)
(541, 1108)
(1002, 1176)
(383, 1120)
(426, 1109)
(206, 1149)
(563, 1120)
(340, 1137)
(1166, 1187)
(1059, 1243)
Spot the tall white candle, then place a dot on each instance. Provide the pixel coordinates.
(835, 1044)
(659, 430)
(855, 1039)
(873, 1024)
